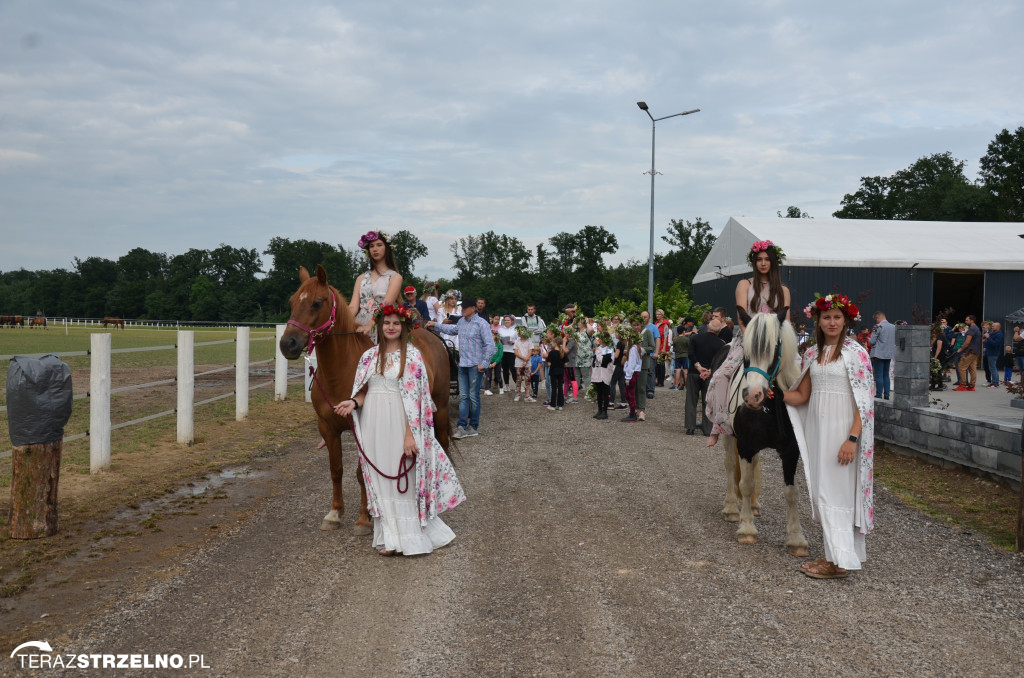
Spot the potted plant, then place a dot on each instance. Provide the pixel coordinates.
(1016, 389)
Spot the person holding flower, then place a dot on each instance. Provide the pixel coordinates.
(762, 293)
(409, 479)
(378, 286)
(832, 410)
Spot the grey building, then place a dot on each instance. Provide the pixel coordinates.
(911, 270)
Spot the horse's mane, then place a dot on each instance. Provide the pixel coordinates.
(764, 332)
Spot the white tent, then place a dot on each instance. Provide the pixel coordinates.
(858, 243)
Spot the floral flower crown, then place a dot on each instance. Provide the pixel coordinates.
(840, 301)
(764, 246)
(452, 294)
(372, 236)
(408, 315)
(523, 331)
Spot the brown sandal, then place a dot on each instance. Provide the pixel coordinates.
(826, 571)
(813, 563)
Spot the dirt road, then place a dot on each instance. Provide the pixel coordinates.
(585, 548)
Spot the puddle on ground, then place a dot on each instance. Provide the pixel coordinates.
(193, 489)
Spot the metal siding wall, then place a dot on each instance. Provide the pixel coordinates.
(892, 291)
(1004, 294)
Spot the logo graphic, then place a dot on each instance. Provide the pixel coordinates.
(38, 644)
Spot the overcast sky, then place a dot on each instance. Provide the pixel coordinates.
(172, 125)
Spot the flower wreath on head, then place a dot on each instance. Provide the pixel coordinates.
(840, 301)
(372, 236)
(409, 316)
(764, 246)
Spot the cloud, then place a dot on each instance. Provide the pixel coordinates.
(158, 125)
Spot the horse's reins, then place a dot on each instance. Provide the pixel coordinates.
(322, 332)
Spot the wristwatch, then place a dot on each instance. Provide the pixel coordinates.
(853, 439)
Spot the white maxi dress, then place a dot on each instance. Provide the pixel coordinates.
(833, 487)
(382, 427)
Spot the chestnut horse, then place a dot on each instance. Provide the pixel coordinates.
(111, 320)
(321, 318)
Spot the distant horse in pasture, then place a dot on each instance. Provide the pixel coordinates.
(16, 320)
(113, 320)
(6, 320)
(321, 319)
(38, 321)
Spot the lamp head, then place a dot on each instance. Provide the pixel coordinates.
(642, 105)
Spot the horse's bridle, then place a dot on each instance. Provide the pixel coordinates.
(324, 331)
(776, 363)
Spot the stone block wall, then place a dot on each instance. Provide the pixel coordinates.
(947, 438)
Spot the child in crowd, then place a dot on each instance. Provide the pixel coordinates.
(536, 372)
(630, 367)
(493, 371)
(601, 373)
(522, 348)
(555, 364)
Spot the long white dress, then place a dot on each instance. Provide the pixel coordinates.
(833, 487)
(382, 427)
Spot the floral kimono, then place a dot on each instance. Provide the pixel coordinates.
(438, 489)
(862, 383)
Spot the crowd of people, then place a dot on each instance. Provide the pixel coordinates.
(616, 363)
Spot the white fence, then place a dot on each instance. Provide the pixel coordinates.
(100, 426)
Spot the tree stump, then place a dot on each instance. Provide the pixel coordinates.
(35, 472)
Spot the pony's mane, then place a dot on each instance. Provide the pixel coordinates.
(764, 332)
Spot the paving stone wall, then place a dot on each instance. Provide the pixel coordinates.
(906, 421)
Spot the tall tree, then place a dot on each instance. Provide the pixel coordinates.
(407, 248)
(1002, 173)
(691, 242)
(934, 188)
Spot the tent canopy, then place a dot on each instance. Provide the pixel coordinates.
(858, 243)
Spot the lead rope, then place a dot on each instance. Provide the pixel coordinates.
(405, 466)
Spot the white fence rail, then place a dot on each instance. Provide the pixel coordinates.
(100, 426)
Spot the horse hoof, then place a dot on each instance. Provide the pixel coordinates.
(798, 551)
(361, 530)
(330, 525)
(732, 517)
(756, 512)
(747, 539)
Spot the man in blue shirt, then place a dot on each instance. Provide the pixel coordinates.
(993, 349)
(649, 339)
(475, 349)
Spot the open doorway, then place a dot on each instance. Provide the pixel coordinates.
(964, 291)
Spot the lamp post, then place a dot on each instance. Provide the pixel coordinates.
(650, 256)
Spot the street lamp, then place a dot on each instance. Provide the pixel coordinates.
(650, 256)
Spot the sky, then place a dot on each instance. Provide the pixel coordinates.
(188, 124)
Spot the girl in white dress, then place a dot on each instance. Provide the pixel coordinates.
(378, 286)
(832, 414)
(409, 478)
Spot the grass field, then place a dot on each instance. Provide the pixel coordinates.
(129, 369)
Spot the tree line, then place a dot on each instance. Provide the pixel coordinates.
(229, 283)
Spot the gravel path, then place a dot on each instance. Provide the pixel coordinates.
(586, 548)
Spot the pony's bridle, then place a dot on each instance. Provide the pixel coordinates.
(776, 363)
(315, 335)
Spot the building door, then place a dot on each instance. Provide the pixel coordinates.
(963, 291)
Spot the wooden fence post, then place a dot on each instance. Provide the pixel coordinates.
(186, 387)
(99, 402)
(35, 471)
(242, 374)
(280, 366)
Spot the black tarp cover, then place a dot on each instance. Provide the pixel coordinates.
(39, 399)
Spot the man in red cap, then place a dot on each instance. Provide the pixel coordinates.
(412, 302)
